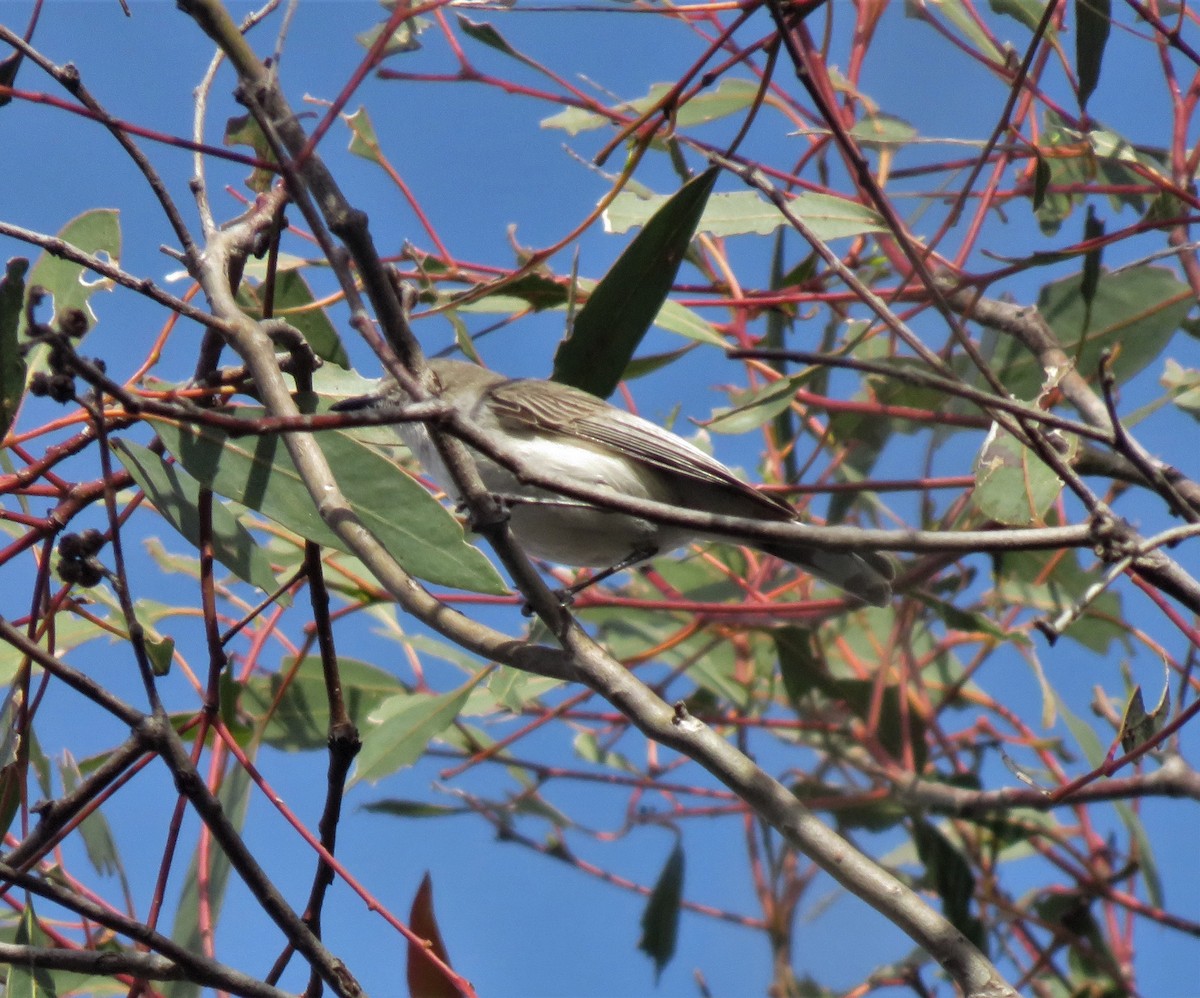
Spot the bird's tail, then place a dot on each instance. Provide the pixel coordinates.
(865, 574)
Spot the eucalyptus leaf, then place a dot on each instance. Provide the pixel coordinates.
(97, 232)
(623, 306)
(176, 495)
(403, 725)
(257, 472)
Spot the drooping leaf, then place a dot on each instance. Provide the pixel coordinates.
(952, 879)
(621, 309)
(1093, 228)
(1095, 969)
(9, 66)
(22, 980)
(898, 729)
(799, 667)
(97, 835)
(403, 725)
(234, 796)
(803, 672)
(12, 363)
(1041, 180)
(176, 495)
(11, 771)
(257, 472)
(660, 918)
(1093, 21)
(424, 979)
(1147, 865)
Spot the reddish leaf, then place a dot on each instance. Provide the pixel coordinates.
(424, 979)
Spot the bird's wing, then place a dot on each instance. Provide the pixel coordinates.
(526, 404)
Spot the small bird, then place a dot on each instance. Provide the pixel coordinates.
(571, 435)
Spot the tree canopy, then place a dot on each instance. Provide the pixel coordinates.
(278, 711)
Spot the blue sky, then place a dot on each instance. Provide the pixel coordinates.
(515, 924)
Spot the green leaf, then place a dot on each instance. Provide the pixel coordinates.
(804, 672)
(969, 622)
(660, 919)
(731, 96)
(1184, 386)
(12, 363)
(1136, 312)
(160, 650)
(1012, 484)
(234, 796)
(754, 408)
(1028, 12)
(30, 982)
(364, 141)
(621, 309)
(1093, 20)
(1082, 159)
(487, 35)
(176, 495)
(1083, 734)
(293, 302)
(799, 666)
(1050, 582)
(955, 11)
(748, 212)
(257, 472)
(11, 771)
(404, 725)
(876, 129)
(97, 834)
(1144, 850)
(1041, 180)
(403, 38)
(293, 708)
(244, 130)
(97, 232)
(676, 318)
(898, 728)
(1089, 281)
(398, 808)
(517, 690)
(952, 879)
(1138, 725)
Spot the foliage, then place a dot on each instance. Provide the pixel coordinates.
(951, 315)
